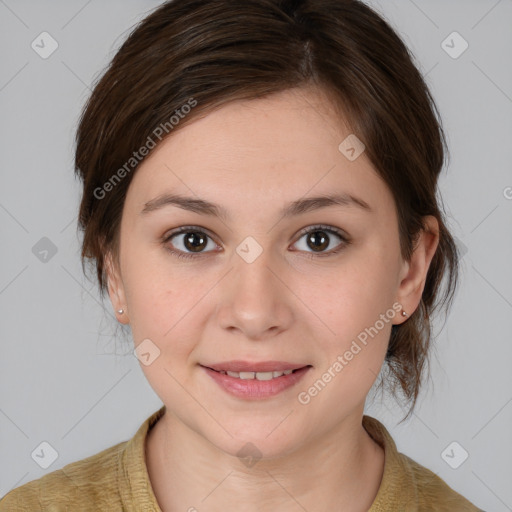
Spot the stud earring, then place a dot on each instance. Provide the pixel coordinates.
(120, 311)
(404, 313)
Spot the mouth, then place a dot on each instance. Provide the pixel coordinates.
(251, 375)
(257, 385)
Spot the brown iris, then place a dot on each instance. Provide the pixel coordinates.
(195, 241)
(318, 242)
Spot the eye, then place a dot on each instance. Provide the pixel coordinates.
(188, 238)
(318, 239)
(193, 241)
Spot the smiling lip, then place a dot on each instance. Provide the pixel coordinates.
(254, 388)
(246, 366)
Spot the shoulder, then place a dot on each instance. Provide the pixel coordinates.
(90, 481)
(432, 492)
(407, 485)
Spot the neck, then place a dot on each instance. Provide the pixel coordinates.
(340, 470)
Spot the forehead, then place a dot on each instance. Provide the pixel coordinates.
(277, 148)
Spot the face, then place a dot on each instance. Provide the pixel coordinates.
(257, 280)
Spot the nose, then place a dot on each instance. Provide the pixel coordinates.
(254, 300)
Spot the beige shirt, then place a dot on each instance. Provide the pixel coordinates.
(116, 480)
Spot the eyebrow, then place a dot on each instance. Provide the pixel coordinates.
(298, 207)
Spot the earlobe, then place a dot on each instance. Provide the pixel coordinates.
(413, 283)
(116, 289)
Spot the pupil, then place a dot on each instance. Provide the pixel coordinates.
(319, 242)
(189, 241)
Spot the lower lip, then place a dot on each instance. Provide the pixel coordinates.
(253, 388)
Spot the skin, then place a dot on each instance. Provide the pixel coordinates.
(252, 158)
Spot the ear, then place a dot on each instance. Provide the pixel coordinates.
(414, 272)
(116, 288)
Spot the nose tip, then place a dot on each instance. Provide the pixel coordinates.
(254, 301)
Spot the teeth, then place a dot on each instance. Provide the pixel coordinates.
(256, 375)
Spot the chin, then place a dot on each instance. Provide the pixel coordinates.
(261, 440)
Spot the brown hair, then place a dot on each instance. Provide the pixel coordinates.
(206, 53)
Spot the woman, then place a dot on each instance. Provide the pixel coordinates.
(259, 198)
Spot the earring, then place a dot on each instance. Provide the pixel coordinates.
(120, 311)
(404, 313)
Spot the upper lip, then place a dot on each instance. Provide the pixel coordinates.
(247, 366)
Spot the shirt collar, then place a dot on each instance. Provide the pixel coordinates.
(133, 478)
(397, 489)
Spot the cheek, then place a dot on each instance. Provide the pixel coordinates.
(352, 357)
(159, 305)
(164, 311)
(169, 307)
(158, 292)
(355, 306)
(352, 296)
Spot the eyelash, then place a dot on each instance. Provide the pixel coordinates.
(320, 227)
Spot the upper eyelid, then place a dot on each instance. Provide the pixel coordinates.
(187, 229)
(324, 227)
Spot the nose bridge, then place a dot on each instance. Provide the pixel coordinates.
(254, 277)
(251, 259)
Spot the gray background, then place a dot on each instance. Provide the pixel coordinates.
(64, 378)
